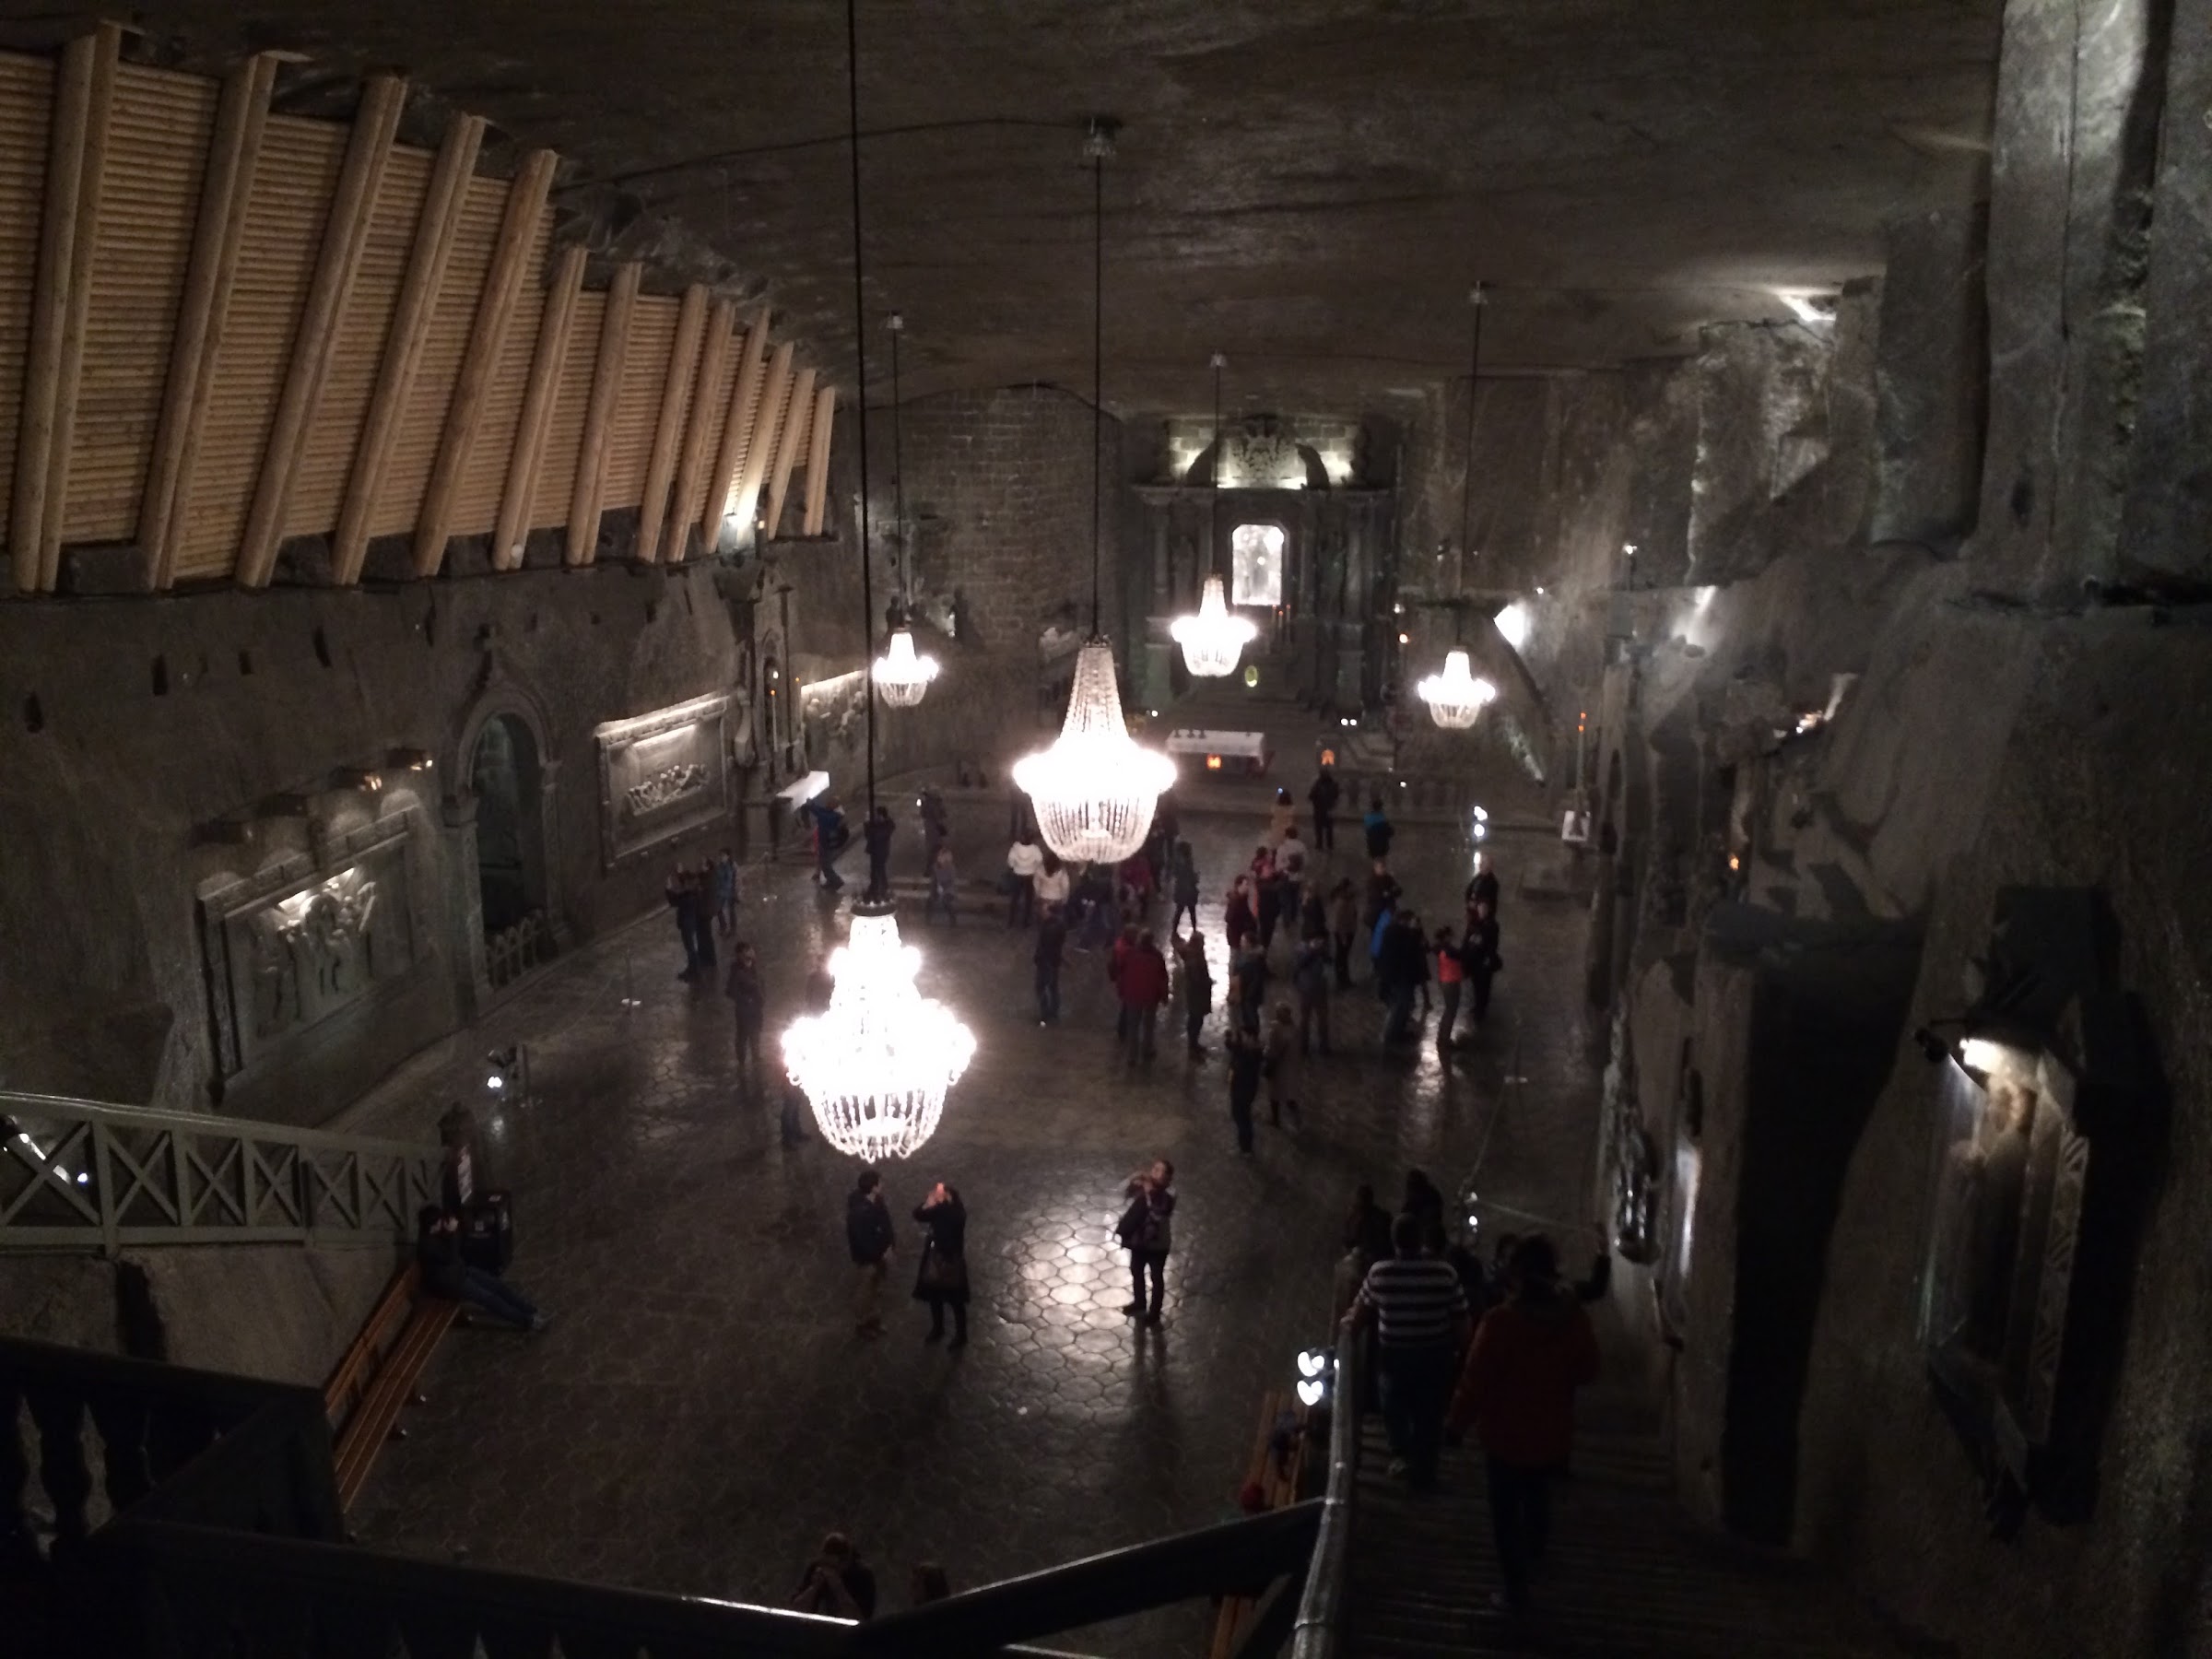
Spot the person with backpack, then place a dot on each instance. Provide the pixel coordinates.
(830, 838)
(1146, 1232)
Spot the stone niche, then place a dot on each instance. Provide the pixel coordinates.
(662, 776)
(332, 932)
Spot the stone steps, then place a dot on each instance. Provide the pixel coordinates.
(1628, 1573)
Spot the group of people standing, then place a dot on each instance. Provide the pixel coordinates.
(704, 900)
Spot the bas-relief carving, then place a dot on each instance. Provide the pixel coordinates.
(291, 947)
(662, 776)
(831, 713)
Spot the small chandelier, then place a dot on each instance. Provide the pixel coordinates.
(878, 1062)
(902, 674)
(1095, 789)
(1455, 697)
(1214, 639)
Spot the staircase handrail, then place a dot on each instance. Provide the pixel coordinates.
(111, 1176)
(1319, 1632)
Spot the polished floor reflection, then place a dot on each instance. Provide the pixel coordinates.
(701, 1410)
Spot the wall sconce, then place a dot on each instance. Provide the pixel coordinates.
(358, 777)
(409, 759)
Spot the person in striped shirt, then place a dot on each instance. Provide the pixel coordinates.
(1418, 1313)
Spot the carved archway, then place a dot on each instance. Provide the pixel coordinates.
(500, 798)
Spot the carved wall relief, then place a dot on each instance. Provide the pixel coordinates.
(292, 945)
(662, 775)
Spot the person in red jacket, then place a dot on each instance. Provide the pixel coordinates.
(1143, 984)
(1516, 1392)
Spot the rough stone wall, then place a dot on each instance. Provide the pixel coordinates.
(132, 725)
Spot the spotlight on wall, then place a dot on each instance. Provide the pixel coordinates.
(1809, 306)
(1933, 1049)
(360, 778)
(408, 760)
(1479, 826)
(1513, 622)
(1979, 1053)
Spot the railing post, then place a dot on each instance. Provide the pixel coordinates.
(110, 1241)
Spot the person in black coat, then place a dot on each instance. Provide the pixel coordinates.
(869, 1237)
(942, 1279)
(878, 834)
(1401, 969)
(1323, 796)
(750, 997)
(1479, 957)
(438, 1249)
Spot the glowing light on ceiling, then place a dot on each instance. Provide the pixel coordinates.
(1455, 697)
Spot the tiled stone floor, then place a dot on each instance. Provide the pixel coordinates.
(701, 1411)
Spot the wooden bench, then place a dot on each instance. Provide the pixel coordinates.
(1278, 1480)
(378, 1374)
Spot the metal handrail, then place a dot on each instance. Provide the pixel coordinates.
(1319, 1632)
(77, 1173)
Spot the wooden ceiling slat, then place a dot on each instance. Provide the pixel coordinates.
(435, 233)
(637, 405)
(353, 200)
(818, 460)
(709, 401)
(737, 418)
(586, 493)
(533, 425)
(677, 393)
(83, 92)
(495, 311)
(798, 417)
(766, 436)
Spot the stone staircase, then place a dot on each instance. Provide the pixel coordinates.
(1629, 1575)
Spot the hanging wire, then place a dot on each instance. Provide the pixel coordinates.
(860, 397)
(1097, 363)
(1213, 500)
(1466, 481)
(906, 578)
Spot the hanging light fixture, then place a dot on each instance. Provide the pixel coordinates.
(1095, 789)
(1214, 639)
(878, 1062)
(902, 675)
(1455, 697)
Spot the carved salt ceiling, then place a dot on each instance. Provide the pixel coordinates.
(1305, 186)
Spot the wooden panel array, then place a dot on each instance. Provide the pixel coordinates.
(209, 264)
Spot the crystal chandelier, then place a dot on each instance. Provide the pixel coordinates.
(1214, 639)
(877, 1064)
(902, 675)
(1095, 789)
(1455, 697)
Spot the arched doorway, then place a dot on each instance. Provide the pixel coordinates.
(506, 777)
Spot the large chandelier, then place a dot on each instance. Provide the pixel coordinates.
(877, 1064)
(901, 674)
(1214, 639)
(1455, 697)
(1095, 789)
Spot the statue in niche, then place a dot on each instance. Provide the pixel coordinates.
(1983, 1185)
(311, 953)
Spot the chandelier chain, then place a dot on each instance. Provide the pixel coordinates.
(906, 578)
(859, 376)
(1098, 370)
(1466, 479)
(1212, 499)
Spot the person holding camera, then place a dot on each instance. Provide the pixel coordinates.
(942, 1279)
(1146, 1230)
(837, 1584)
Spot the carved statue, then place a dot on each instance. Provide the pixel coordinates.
(664, 788)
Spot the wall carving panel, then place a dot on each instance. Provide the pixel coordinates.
(296, 944)
(662, 775)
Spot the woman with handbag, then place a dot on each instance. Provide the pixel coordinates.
(1146, 1232)
(942, 1281)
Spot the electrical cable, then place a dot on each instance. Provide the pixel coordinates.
(860, 395)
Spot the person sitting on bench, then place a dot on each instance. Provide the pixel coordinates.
(438, 1248)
